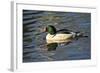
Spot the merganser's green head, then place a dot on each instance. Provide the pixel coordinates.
(50, 29)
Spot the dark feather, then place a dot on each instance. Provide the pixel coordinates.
(64, 31)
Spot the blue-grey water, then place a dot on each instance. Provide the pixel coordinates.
(34, 41)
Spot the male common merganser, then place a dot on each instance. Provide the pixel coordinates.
(54, 37)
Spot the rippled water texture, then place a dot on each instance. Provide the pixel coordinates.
(34, 40)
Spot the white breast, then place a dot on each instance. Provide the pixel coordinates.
(58, 38)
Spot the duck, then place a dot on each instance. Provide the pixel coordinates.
(62, 36)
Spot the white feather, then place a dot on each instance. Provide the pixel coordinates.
(59, 38)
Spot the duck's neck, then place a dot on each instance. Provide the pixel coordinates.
(52, 32)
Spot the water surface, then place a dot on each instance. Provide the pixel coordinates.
(34, 41)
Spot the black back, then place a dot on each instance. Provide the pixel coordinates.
(64, 31)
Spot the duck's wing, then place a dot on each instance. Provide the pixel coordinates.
(52, 46)
(64, 31)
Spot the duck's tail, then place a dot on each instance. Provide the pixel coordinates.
(80, 35)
